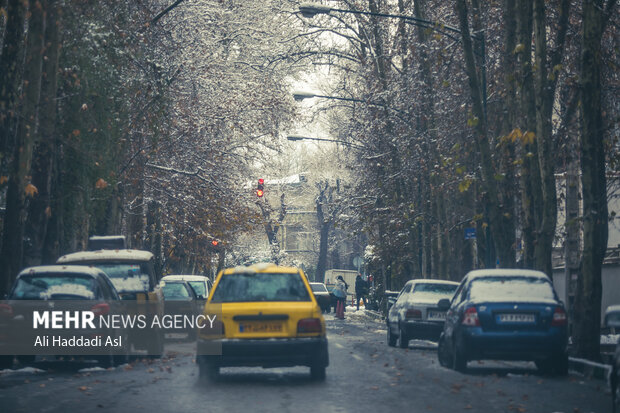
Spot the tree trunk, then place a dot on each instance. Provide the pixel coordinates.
(586, 337)
(502, 235)
(45, 150)
(11, 254)
(10, 72)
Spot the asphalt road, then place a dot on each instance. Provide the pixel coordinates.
(365, 375)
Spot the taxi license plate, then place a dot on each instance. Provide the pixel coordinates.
(515, 318)
(437, 315)
(260, 328)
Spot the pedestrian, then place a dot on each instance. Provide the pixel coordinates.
(340, 292)
(361, 290)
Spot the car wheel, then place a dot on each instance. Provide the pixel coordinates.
(443, 354)
(560, 365)
(391, 339)
(459, 360)
(403, 340)
(317, 373)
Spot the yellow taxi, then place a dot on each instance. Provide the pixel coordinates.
(262, 315)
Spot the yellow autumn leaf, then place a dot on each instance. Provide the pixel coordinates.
(515, 134)
(101, 184)
(4, 179)
(48, 212)
(31, 190)
(528, 138)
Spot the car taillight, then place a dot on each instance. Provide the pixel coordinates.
(559, 317)
(413, 314)
(309, 325)
(470, 317)
(101, 309)
(6, 310)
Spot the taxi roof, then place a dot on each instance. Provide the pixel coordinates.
(263, 267)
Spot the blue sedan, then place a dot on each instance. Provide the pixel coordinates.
(502, 314)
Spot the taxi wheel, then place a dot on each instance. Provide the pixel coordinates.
(443, 354)
(459, 360)
(317, 373)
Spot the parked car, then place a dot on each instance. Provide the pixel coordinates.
(323, 297)
(70, 288)
(134, 276)
(199, 283)
(268, 317)
(612, 320)
(180, 299)
(505, 314)
(415, 314)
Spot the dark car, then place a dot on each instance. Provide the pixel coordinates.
(612, 320)
(415, 314)
(59, 287)
(181, 299)
(323, 297)
(505, 314)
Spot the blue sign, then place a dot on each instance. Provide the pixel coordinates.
(470, 233)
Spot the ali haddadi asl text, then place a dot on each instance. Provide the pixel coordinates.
(77, 341)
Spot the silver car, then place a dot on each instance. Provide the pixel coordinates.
(415, 314)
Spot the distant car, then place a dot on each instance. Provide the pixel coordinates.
(136, 278)
(180, 299)
(612, 320)
(268, 317)
(505, 314)
(199, 283)
(322, 296)
(415, 314)
(80, 287)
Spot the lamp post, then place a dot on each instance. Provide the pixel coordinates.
(309, 10)
(294, 138)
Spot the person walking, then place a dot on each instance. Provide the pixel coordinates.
(340, 292)
(361, 289)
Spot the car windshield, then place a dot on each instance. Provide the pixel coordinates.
(511, 289)
(175, 291)
(199, 287)
(46, 287)
(430, 290)
(318, 288)
(240, 287)
(126, 277)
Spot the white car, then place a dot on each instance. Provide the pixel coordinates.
(199, 283)
(415, 314)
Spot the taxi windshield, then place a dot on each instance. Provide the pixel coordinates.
(244, 287)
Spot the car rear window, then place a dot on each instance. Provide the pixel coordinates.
(244, 287)
(511, 289)
(46, 287)
(126, 277)
(199, 287)
(175, 291)
(318, 288)
(429, 289)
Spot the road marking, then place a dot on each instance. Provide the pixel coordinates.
(356, 357)
(338, 345)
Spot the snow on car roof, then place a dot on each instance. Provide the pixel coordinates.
(105, 255)
(430, 281)
(612, 309)
(186, 277)
(504, 272)
(61, 270)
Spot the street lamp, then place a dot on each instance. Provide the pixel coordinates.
(309, 10)
(295, 138)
